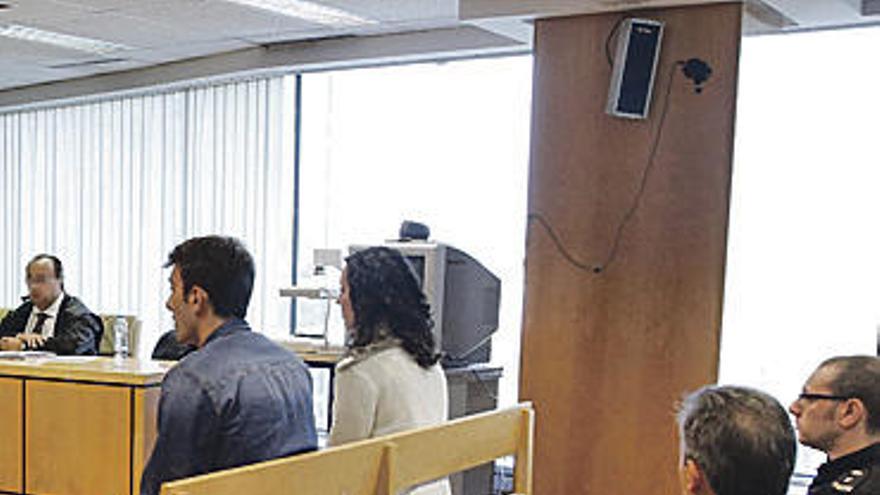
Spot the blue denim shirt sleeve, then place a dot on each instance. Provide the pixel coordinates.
(186, 422)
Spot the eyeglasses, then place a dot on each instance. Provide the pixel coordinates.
(812, 397)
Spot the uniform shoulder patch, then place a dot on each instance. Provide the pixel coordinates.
(849, 481)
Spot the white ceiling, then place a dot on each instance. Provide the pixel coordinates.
(162, 31)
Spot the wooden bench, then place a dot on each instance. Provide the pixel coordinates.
(385, 465)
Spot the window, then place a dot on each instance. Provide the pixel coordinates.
(444, 144)
(112, 186)
(803, 266)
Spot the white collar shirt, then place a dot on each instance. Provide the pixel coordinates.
(49, 325)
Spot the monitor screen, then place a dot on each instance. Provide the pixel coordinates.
(464, 297)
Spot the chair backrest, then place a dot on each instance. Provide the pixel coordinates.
(384, 465)
(109, 338)
(167, 348)
(4, 312)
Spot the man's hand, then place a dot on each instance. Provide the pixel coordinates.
(31, 340)
(10, 344)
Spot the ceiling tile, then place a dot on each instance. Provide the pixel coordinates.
(214, 17)
(118, 28)
(30, 11)
(171, 53)
(161, 31)
(14, 50)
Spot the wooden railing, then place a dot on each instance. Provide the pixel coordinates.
(385, 465)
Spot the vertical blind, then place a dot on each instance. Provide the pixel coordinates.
(112, 186)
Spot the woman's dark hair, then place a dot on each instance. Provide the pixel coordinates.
(385, 293)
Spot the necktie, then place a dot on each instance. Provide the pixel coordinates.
(41, 318)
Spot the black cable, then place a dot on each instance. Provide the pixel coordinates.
(636, 203)
(559, 246)
(484, 386)
(637, 200)
(461, 359)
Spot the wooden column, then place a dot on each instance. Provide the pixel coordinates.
(606, 355)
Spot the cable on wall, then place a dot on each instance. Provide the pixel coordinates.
(696, 70)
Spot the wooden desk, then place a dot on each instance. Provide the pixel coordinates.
(77, 426)
(313, 353)
(318, 356)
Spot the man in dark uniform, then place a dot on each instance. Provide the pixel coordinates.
(50, 319)
(838, 412)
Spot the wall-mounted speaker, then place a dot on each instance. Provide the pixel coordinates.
(635, 65)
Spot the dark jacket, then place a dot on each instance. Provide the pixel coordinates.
(853, 474)
(237, 400)
(77, 330)
(169, 349)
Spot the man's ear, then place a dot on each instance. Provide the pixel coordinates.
(693, 479)
(198, 297)
(851, 414)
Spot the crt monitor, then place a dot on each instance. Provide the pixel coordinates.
(463, 294)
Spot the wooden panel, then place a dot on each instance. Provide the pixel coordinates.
(11, 445)
(77, 439)
(379, 465)
(522, 474)
(93, 369)
(146, 409)
(606, 355)
(353, 471)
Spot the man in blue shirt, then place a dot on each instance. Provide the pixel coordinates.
(239, 398)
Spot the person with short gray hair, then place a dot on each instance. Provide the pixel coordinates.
(735, 441)
(838, 412)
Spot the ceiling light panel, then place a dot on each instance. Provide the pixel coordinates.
(122, 29)
(79, 43)
(206, 21)
(310, 11)
(403, 10)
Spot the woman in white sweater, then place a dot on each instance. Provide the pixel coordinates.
(391, 379)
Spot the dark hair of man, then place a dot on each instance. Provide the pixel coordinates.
(222, 267)
(57, 267)
(741, 439)
(385, 293)
(858, 377)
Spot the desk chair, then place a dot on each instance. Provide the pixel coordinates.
(169, 349)
(108, 339)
